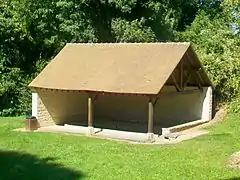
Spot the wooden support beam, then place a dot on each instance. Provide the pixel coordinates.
(195, 72)
(175, 83)
(182, 92)
(156, 99)
(200, 77)
(190, 61)
(181, 75)
(206, 79)
(187, 80)
(197, 79)
(90, 112)
(150, 116)
(95, 98)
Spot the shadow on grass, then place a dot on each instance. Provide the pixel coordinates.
(17, 165)
(233, 178)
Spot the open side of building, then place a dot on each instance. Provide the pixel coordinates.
(139, 87)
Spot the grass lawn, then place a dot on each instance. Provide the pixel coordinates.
(26, 155)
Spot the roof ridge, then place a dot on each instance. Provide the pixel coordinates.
(133, 43)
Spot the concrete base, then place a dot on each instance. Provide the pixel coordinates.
(98, 132)
(182, 127)
(150, 136)
(90, 130)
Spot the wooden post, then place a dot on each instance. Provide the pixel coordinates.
(150, 120)
(90, 115)
(90, 120)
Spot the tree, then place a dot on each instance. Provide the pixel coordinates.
(218, 48)
(33, 32)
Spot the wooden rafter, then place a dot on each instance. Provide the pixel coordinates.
(185, 73)
(197, 79)
(200, 77)
(195, 73)
(203, 70)
(187, 80)
(176, 83)
(190, 61)
(156, 99)
(94, 98)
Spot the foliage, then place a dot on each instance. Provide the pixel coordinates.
(12, 85)
(235, 105)
(218, 48)
(133, 31)
(32, 32)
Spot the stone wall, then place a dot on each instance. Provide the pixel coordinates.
(60, 107)
(43, 116)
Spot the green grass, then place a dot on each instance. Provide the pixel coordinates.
(26, 155)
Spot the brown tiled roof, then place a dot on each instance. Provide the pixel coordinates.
(139, 68)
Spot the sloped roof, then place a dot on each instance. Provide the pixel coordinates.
(139, 68)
